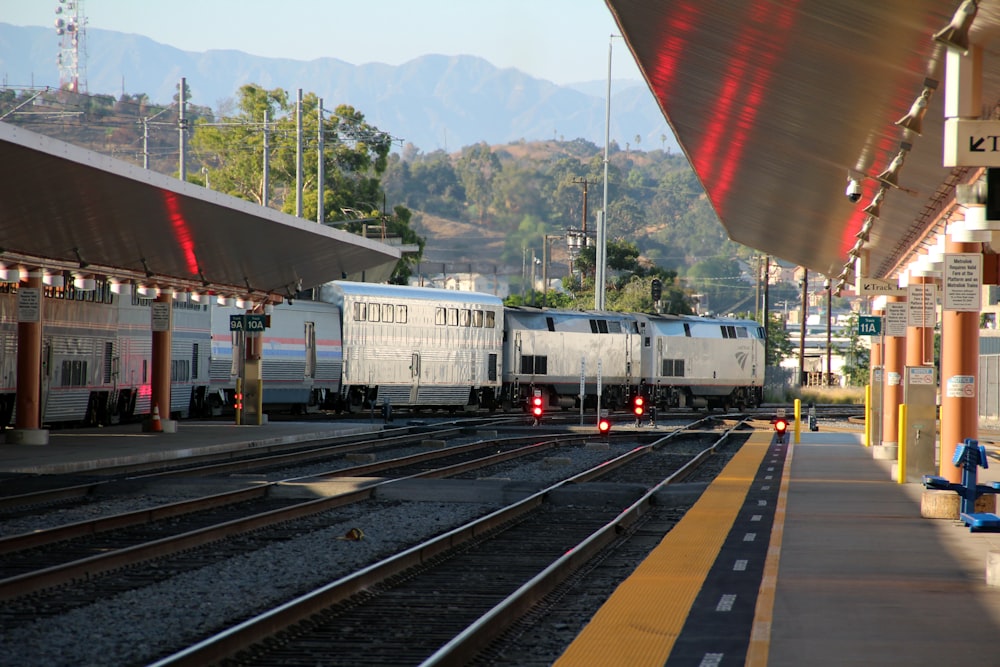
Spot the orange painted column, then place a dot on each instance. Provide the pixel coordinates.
(29, 353)
(162, 323)
(959, 363)
(894, 358)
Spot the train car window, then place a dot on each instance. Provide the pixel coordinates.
(687, 329)
(194, 361)
(593, 326)
(602, 326)
(646, 341)
(108, 351)
(491, 366)
(741, 332)
(491, 319)
(550, 323)
(360, 312)
(541, 365)
(373, 313)
(453, 317)
(673, 368)
(615, 327)
(387, 313)
(477, 319)
(145, 369)
(527, 364)
(401, 314)
(466, 319)
(439, 316)
(180, 370)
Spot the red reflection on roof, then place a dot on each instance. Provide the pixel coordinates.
(748, 71)
(181, 230)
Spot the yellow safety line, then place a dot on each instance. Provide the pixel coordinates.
(760, 637)
(639, 624)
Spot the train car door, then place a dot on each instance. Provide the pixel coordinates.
(414, 377)
(310, 343)
(46, 374)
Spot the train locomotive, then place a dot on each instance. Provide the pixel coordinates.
(348, 346)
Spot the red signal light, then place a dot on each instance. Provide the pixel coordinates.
(603, 426)
(537, 407)
(638, 406)
(780, 425)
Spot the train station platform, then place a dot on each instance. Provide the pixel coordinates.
(84, 450)
(804, 554)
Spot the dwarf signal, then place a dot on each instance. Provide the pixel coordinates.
(604, 426)
(780, 427)
(537, 407)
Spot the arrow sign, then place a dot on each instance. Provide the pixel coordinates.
(971, 143)
(875, 286)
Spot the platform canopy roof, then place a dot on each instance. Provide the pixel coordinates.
(70, 209)
(776, 103)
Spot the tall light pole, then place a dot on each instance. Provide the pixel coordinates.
(601, 256)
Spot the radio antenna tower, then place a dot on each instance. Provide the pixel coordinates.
(71, 26)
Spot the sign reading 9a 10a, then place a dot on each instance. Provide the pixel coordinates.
(247, 323)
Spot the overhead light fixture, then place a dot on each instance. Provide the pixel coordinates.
(914, 118)
(148, 291)
(865, 230)
(891, 174)
(84, 283)
(955, 35)
(120, 288)
(53, 279)
(875, 207)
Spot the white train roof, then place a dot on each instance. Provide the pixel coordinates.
(338, 289)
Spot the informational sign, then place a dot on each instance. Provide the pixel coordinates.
(160, 315)
(920, 375)
(895, 319)
(961, 386)
(971, 143)
(869, 325)
(878, 286)
(892, 378)
(246, 323)
(963, 281)
(922, 305)
(583, 378)
(29, 304)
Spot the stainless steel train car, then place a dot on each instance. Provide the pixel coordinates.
(554, 351)
(96, 356)
(301, 352)
(701, 363)
(418, 347)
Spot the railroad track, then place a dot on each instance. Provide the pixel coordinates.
(50, 558)
(445, 601)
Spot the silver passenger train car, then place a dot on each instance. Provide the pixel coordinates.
(418, 347)
(700, 362)
(554, 351)
(96, 356)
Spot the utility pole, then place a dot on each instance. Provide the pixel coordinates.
(583, 222)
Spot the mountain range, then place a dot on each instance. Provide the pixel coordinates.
(433, 102)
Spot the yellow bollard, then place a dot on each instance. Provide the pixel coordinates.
(901, 454)
(868, 415)
(798, 419)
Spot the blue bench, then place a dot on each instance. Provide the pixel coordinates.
(970, 455)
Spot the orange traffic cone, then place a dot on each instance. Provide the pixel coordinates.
(154, 424)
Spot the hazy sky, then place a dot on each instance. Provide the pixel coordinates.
(563, 41)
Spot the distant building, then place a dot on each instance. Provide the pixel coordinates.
(495, 284)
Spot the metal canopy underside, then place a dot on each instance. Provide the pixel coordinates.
(65, 207)
(776, 101)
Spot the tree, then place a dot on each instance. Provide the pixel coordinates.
(476, 168)
(778, 345)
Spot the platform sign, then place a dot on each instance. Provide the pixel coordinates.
(971, 143)
(921, 301)
(247, 323)
(869, 325)
(963, 281)
(920, 396)
(878, 286)
(895, 319)
(160, 315)
(29, 304)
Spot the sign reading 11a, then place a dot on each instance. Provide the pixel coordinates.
(869, 325)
